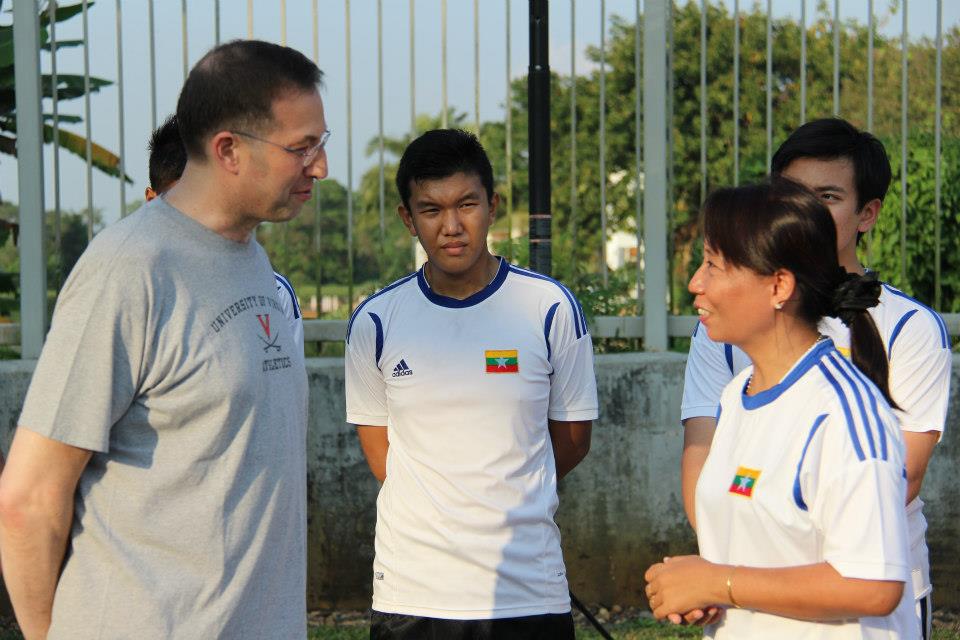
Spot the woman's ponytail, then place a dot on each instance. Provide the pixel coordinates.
(852, 299)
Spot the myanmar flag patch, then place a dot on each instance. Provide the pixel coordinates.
(504, 361)
(744, 482)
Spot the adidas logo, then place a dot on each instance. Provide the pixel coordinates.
(402, 369)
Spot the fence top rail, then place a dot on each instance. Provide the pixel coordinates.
(601, 328)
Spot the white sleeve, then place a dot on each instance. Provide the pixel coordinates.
(709, 369)
(366, 390)
(857, 505)
(291, 309)
(920, 375)
(573, 384)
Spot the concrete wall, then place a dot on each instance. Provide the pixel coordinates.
(619, 511)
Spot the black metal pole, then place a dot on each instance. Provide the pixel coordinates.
(538, 127)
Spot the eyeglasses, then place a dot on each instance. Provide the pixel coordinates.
(307, 155)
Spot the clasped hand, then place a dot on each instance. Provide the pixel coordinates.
(684, 590)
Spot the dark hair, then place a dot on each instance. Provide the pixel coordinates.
(234, 85)
(167, 155)
(441, 153)
(777, 225)
(832, 138)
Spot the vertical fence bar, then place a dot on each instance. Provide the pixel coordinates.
(870, 66)
(183, 31)
(573, 136)
(86, 118)
(937, 126)
(414, 245)
(540, 239)
(55, 95)
(836, 57)
(413, 79)
(769, 78)
(603, 142)
(508, 152)
(349, 160)
(638, 145)
(476, 65)
(283, 22)
(655, 125)
(904, 104)
(703, 99)
(736, 92)
(249, 19)
(153, 66)
(317, 200)
(216, 22)
(122, 150)
(443, 62)
(803, 61)
(380, 176)
(671, 200)
(33, 276)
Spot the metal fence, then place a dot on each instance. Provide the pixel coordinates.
(655, 108)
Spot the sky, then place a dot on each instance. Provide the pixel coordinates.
(268, 24)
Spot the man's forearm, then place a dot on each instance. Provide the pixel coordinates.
(33, 540)
(697, 438)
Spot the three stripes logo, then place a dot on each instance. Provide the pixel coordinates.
(402, 369)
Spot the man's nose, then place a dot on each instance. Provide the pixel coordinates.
(318, 169)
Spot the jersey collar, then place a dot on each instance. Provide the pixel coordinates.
(476, 298)
(803, 365)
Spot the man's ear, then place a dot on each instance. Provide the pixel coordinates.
(407, 218)
(149, 194)
(494, 203)
(224, 150)
(869, 215)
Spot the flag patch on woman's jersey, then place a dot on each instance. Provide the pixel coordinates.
(504, 361)
(744, 482)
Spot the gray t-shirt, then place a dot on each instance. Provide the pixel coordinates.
(169, 357)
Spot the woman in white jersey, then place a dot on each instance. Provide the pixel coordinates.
(800, 518)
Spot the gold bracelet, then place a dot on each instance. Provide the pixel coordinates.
(730, 589)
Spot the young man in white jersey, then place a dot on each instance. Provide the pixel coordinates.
(472, 387)
(850, 171)
(167, 160)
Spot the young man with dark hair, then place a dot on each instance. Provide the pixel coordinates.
(167, 160)
(472, 387)
(162, 440)
(850, 171)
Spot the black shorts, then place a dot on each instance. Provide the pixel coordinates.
(393, 626)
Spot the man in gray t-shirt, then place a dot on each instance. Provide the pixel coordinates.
(155, 487)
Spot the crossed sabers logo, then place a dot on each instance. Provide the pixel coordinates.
(265, 324)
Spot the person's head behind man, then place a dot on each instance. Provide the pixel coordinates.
(445, 182)
(847, 168)
(167, 158)
(252, 123)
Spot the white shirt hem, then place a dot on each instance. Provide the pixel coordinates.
(474, 614)
(365, 420)
(574, 416)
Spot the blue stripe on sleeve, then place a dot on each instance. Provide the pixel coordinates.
(851, 428)
(356, 312)
(579, 322)
(872, 394)
(379, 327)
(944, 334)
(283, 282)
(897, 329)
(547, 325)
(797, 493)
(858, 396)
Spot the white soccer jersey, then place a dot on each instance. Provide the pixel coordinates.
(808, 471)
(291, 308)
(465, 524)
(918, 349)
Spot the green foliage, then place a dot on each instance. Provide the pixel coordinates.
(68, 87)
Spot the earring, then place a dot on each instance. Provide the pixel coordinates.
(778, 306)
